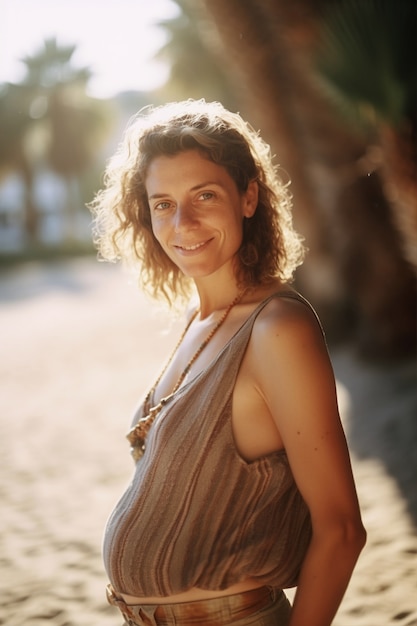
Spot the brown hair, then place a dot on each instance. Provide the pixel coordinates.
(123, 229)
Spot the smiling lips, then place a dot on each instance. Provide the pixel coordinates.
(191, 248)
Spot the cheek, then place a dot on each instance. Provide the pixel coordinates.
(155, 226)
(159, 232)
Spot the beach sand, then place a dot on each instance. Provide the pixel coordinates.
(79, 346)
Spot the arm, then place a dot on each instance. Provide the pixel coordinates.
(295, 378)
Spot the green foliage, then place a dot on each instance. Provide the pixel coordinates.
(367, 57)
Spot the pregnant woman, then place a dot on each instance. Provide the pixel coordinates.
(242, 485)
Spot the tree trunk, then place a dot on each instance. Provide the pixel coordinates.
(31, 212)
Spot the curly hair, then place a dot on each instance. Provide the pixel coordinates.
(122, 221)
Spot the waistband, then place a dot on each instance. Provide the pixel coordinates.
(221, 610)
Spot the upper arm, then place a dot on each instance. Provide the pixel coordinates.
(294, 375)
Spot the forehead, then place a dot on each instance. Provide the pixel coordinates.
(189, 167)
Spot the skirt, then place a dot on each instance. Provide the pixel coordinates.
(265, 606)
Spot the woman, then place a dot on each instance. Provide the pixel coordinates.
(243, 485)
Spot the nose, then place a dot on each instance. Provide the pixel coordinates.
(185, 216)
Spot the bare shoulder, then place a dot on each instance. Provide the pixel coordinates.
(291, 370)
(289, 324)
(289, 361)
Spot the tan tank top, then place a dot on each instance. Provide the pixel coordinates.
(196, 514)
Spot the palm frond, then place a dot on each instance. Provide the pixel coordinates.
(367, 56)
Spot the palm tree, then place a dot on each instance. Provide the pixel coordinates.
(70, 119)
(51, 66)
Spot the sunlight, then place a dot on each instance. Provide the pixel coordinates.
(117, 40)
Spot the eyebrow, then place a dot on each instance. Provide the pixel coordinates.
(207, 183)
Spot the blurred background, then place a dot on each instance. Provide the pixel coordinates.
(331, 85)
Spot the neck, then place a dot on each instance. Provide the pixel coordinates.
(217, 296)
(208, 306)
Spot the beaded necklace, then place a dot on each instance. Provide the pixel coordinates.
(138, 433)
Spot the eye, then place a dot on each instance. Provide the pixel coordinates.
(162, 206)
(207, 195)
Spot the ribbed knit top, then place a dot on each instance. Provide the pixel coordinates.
(196, 514)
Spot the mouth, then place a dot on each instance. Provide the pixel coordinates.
(192, 247)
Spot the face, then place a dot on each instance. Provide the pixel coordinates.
(197, 212)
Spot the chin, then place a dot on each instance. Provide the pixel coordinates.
(197, 270)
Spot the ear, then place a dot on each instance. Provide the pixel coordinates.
(250, 199)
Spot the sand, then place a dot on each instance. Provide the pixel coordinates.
(78, 350)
